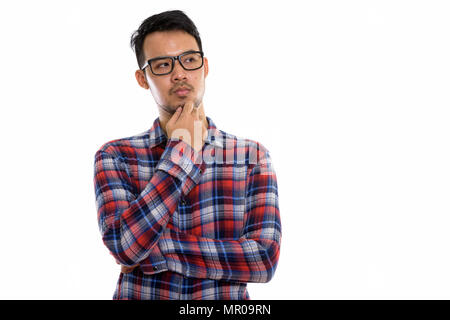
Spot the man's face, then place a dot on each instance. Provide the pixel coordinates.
(174, 89)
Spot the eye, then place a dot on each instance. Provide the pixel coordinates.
(162, 65)
(191, 58)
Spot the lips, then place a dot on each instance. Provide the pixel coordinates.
(182, 91)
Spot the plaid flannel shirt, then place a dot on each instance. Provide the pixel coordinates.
(199, 224)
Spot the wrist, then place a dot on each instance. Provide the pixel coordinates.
(182, 162)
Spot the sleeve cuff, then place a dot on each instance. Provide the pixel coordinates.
(181, 161)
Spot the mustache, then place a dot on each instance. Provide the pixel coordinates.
(179, 85)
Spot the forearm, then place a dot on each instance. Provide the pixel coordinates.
(244, 260)
(251, 258)
(131, 225)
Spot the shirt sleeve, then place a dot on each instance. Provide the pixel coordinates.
(131, 224)
(251, 258)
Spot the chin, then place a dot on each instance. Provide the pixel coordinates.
(169, 108)
(172, 107)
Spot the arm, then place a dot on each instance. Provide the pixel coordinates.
(251, 258)
(131, 224)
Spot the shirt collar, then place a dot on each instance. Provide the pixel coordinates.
(158, 136)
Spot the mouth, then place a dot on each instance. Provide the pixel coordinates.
(182, 92)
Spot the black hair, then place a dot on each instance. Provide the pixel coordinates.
(164, 21)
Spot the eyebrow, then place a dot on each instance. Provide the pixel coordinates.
(190, 50)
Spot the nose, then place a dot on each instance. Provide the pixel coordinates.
(178, 72)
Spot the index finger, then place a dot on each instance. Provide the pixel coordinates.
(188, 107)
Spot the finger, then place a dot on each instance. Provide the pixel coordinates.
(196, 112)
(174, 117)
(125, 269)
(185, 109)
(188, 107)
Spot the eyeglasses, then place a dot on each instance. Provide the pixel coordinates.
(190, 60)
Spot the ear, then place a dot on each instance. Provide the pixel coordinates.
(141, 79)
(205, 66)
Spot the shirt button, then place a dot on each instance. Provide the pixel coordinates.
(155, 268)
(183, 202)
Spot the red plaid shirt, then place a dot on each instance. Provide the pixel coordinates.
(199, 224)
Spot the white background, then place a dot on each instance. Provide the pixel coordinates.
(351, 98)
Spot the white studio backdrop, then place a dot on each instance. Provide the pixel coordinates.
(351, 98)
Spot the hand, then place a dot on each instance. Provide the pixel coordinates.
(125, 269)
(186, 124)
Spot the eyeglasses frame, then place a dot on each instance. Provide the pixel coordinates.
(148, 63)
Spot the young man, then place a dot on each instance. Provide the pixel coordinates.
(189, 211)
